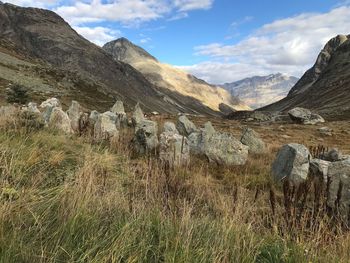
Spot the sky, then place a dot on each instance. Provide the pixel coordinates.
(216, 40)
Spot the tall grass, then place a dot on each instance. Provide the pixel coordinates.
(68, 199)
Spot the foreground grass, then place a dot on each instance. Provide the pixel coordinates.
(64, 199)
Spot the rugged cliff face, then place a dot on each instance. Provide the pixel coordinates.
(44, 37)
(171, 79)
(326, 86)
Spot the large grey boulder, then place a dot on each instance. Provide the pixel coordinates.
(47, 106)
(59, 120)
(339, 188)
(292, 163)
(304, 116)
(170, 127)
(118, 109)
(33, 108)
(251, 139)
(75, 112)
(174, 149)
(105, 127)
(185, 126)
(93, 117)
(138, 115)
(333, 155)
(198, 140)
(319, 168)
(146, 138)
(224, 149)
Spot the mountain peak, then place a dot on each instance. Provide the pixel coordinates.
(124, 50)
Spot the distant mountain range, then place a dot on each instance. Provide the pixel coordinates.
(40, 51)
(326, 86)
(259, 91)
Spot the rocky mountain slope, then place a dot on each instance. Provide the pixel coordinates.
(259, 91)
(169, 78)
(326, 86)
(55, 60)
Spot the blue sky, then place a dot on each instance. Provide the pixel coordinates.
(217, 40)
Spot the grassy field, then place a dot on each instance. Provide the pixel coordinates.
(67, 199)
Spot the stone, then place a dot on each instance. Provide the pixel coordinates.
(74, 113)
(118, 109)
(304, 116)
(138, 115)
(174, 149)
(170, 127)
(52, 102)
(198, 140)
(105, 127)
(146, 139)
(325, 131)
(333, 155)
(185, 126)
(319, 168)
(33, 108)
(155, 113)
(251, 139)
(339, 188)
(291, 163)
(59, 120)
(93, 117)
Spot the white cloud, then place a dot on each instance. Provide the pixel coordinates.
(98, 35)
(288, 45)
(187, 5)
(35, 3)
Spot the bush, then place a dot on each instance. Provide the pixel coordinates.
(17, 94)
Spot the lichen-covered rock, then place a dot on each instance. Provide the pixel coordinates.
(138, 115)
(339, 188)
(251, 139)
(292, 163)
(119, 110)
(33, 108)
(105, 127)
(199, 139)
(59, 120)
(170, 127)
(304, 116)
(174, 149)
(146, 138)
(75, 112)
(52, 102)
(185, 126)
(319, 168)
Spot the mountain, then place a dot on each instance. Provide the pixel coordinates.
(259, 91)
(326, 86)
(170, 79)
(39, 50)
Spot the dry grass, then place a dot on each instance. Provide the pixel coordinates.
(67, 199)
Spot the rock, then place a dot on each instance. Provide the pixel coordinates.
(138, 115)
(170, 127)
(304, 116)
(224, 149)
(325, 131)
(339, 188)
(33, 108)
(251, 139)
(319, 168)
(105, 127)
(174, 149)
(145, 140)
(333, 155)
(94, 116)
(260, 116)
(285, 136)
(119, 110)
(59, 120)
(74, 113)
(291, 163)
(53, 102)
(185, 126)
(155, 113)
(199, 139)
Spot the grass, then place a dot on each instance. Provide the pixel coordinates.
(67, 199)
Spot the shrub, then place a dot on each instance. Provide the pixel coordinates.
(17, 94)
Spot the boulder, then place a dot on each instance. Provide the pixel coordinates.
(75, 112)
(319, 168)
(33, 108)
(251, 139)
(224, 149)
(118, 109)
(174, 149)
(339, 188)
(138, 115)
(59, 120)
(185, 126)
(53, 102)
(146, 139)
(199, 139)
(105, 127)
(304, 116)
(170, 127)
(94, 116)
(333, 155)
(291, 163)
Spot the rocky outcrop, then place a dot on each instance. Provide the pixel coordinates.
(146, 138)
(174, 149)
(185, 126)
(292, 164)
(59, 120)
(251, 139)
(304, 116)
(105, 127)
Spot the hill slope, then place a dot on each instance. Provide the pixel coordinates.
(259, 91)
(170, 78)
(43, 37)
(326, 86)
